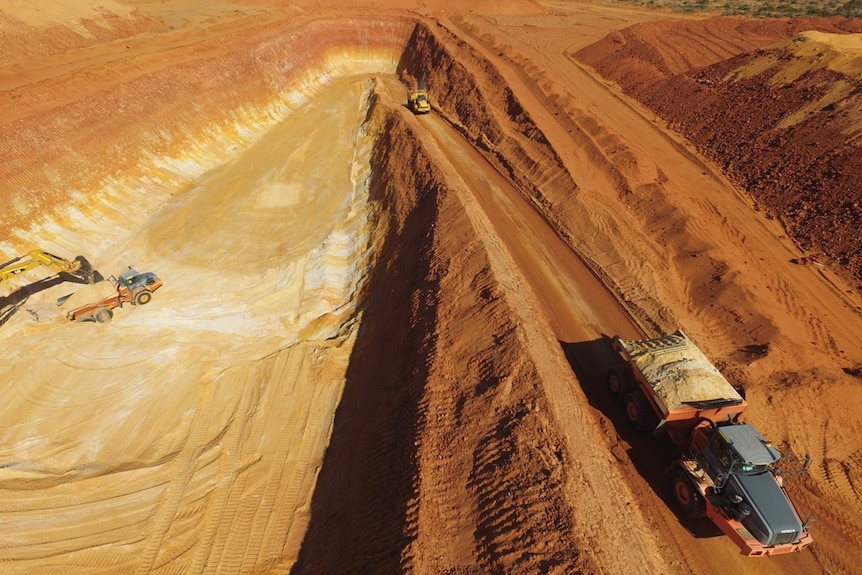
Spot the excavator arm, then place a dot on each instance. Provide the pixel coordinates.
(78, 270)
(79, 267)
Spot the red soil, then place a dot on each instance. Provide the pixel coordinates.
(541, 205)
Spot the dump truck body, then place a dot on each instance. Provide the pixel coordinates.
(727, 471)
(680, 383)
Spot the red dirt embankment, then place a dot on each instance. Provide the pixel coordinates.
(774, 114)
(443, 453)
(447, 455)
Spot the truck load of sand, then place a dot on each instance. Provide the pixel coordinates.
(679, 372)
(89, 294)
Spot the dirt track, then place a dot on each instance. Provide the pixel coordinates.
(378, 348)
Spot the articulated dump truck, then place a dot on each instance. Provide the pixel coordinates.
(727, 471)
(418, 102)
(97, 302)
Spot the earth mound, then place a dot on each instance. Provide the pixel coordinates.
(28, 36)
(780, 116)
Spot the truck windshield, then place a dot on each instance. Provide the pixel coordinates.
(744, 468)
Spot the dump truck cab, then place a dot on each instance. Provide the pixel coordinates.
(737, 472)
(137, 287)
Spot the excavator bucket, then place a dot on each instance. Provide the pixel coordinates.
(84, 270)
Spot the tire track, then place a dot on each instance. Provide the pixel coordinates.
(181, 472)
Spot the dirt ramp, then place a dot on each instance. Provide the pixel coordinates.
(443, 455)
(471, 94)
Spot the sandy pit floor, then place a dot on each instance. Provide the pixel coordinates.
(379, 344)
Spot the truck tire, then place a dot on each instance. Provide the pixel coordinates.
(143, 298)
(686, 494)
(638, 412)
(103, 315)
(617, 382)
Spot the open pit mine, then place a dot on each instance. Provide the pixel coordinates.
(378, 342)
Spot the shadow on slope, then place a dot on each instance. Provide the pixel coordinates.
(367, 481)
(11, 303)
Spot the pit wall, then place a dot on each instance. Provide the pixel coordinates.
(369, 474)
(443, 447)
(142, 141)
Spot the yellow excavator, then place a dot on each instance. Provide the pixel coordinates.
(79, 267)
(78, 270)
